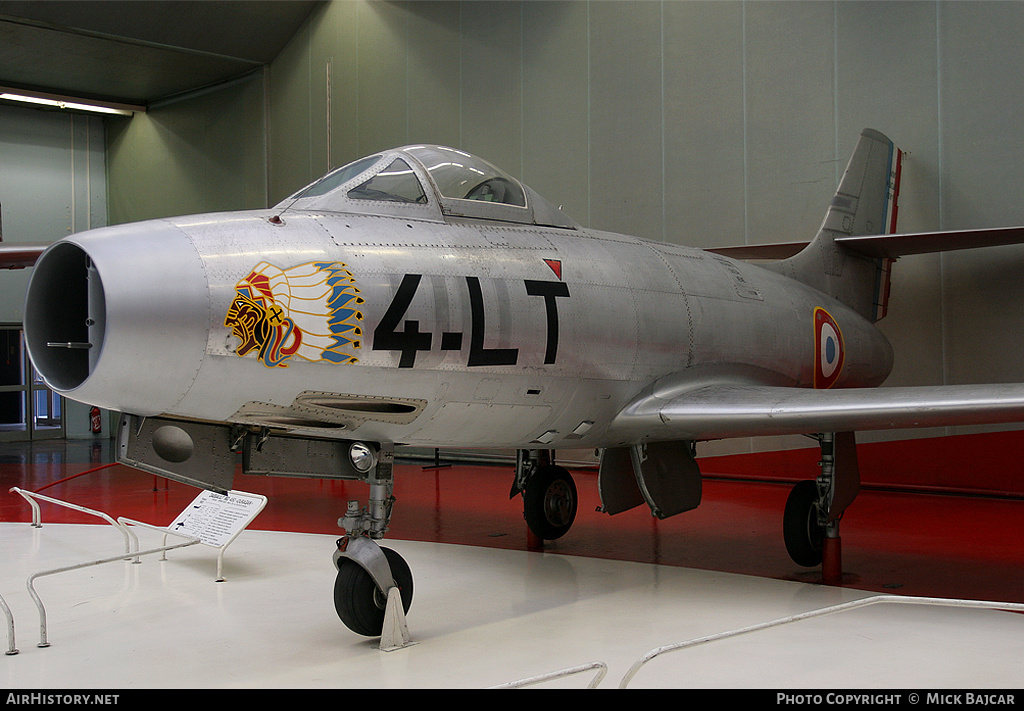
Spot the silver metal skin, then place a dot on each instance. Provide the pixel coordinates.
(470, 331)
(421, 296)
(626, 323)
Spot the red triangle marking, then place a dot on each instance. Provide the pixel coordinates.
(556, 266)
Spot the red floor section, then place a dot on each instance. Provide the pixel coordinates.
(906, 543)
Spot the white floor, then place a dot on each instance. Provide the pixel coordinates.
(480, 618)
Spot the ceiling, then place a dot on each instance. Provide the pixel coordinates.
(140, 51)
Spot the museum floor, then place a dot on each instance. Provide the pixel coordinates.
(491, 606)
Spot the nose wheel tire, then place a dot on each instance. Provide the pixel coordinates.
(549, 502)
(803, 535)
(360, 603)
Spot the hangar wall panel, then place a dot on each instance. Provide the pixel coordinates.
(556, 118)
(199, 154)
(981, 150)
(704, 166)
(52, 183)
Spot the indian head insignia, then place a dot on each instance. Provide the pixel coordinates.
(310, 311)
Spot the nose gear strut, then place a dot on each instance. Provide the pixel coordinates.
(373, 590)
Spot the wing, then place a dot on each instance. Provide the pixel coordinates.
(19, 256)
(718, 411)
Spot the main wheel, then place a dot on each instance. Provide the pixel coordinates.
(549, 502)
(360, 603)
(803, 535)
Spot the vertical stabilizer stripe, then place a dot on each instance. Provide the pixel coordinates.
(895, 199)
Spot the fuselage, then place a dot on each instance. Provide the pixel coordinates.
(451, 332)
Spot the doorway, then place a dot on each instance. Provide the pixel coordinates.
(29, 410)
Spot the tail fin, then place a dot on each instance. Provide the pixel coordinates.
(864, 204)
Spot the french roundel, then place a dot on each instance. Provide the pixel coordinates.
(829, 351)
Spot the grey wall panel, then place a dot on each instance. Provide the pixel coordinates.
(381, 77)
(705, 185)
(556, 104)
(52, 183)
(491, 83)
(200, 154)
(289, 138)
(391, 74)
(982, 97)
(790, 135)
(433, 42)
(334, 70)
(626, 128)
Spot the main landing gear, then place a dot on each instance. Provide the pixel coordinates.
(373, 590)
(549, 494)
(810, 523)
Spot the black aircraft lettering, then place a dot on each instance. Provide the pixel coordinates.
(410, 340)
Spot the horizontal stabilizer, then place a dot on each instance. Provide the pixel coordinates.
(737, 410)
(888, 246)
(19, 256)
(893, 246)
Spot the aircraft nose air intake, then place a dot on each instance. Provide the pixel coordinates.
(118, 317)
(64, 317)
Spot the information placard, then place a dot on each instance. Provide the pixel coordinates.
(217, 518)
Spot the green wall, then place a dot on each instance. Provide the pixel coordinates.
(52, 183)
(200, 154)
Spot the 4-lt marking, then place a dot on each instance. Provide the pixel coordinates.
(410, 340)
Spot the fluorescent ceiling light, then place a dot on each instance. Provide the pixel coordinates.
(67, 103)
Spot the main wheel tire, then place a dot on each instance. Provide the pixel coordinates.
(360, 603)
(803, 535)
(549, 502)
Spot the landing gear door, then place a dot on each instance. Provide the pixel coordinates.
(668, 477)
(616, 482)
(665, 475)
(192, 453)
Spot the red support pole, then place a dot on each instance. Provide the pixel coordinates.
(832, 561)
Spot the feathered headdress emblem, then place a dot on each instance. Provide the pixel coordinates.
(310, 311)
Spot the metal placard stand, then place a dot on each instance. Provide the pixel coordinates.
(217, 519)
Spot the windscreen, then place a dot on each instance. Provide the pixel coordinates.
(461, 176)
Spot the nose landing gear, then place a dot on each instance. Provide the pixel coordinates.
(369, 579)
(373, 590)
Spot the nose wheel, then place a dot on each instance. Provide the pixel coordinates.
(360, 601)
(373, 589)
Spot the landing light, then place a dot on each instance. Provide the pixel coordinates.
(362, 457)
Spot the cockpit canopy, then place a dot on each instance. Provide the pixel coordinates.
(427, 182)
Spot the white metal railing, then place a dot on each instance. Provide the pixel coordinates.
(39, 603)
(131, 546)
(844, 607)
(212, 519)
(33, 499)
(11, 647)
(821, 612)
(601, 668)
(37, 521)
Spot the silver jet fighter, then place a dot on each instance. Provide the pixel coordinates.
(421, 296)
